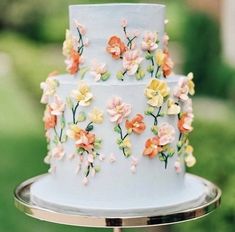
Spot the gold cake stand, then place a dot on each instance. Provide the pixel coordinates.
(63, 216)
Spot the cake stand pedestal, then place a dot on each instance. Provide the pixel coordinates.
(64, 216)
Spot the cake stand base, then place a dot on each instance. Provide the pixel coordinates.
(63, 216)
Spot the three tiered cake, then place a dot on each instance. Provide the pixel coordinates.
(117, 125)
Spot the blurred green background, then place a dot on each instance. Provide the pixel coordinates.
(31, 36)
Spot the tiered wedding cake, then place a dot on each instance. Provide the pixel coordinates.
(117, 125)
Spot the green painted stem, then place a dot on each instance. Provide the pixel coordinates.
(74, 113)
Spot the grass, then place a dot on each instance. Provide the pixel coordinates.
(23, 146)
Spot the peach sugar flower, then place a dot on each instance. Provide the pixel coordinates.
(116, 47)
(166, 134)
(83, 139)
(58, 106)
(73, 62)
(152, 147)
(131, 61)
(149, 42)
(97, 70)
(118, 110)
(185, 123)
(49, 119)
(168, 65)
(136, 125)
(164, 61)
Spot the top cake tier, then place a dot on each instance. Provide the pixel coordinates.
(118, 36)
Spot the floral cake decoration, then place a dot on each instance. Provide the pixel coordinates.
(159, 100)
(118, 111)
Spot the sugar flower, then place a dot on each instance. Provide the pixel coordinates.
(83, 139)
(185, 86)
(156, 91)
(48, 87)
(164, 61)
(68, 43)
(167, 65)
(116, 47)
(177, 166)
(182, 89)
(97, 70)
(166, 134)
(73, 61)
(172, 107)
(80, 27)
(149, 42)
(58, 106)
(134, 163)
(112, 158)
(82, 94)
(191, 84)
(165, 40)
(58, 151)
(124, 23)
(49, 119)
(185, 123)
(118, 110)
(136, 125)
(96, 116)
(152, 147)
(131, 61)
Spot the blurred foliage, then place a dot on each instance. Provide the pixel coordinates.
(203, 56)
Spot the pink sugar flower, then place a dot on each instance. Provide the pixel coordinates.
(150, 41)
(97, 70)
(118, 110)
(182, 89)
(112, 158)
(131, 61)
(185, 123)
(124, 23)
(85, 181)
(81, 28)
(58, 151)
(58, 106)
(177, 166)
(166, 134)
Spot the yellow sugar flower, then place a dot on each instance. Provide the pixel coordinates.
(82, 94)
(190, 160)
(96, 116)
(68, 43)
(126, 143)
(172, 107)
(156, 91)
(159, 57)
(73, 131)
(191, 84)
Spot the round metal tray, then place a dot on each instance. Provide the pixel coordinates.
(62, 216)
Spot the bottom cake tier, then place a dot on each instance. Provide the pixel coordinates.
(47, 193)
